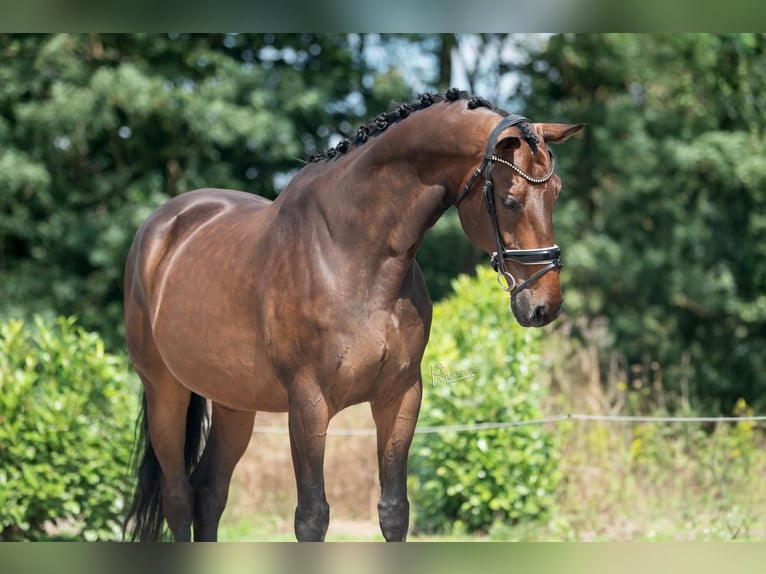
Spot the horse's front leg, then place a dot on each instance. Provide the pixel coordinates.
(308, 417)
(395, 420)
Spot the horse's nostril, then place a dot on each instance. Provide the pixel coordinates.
(540, 315)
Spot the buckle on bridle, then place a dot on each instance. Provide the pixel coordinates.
(510, 281)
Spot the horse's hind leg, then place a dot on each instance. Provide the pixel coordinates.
(167, 404)
(230, 433)
(395, 421)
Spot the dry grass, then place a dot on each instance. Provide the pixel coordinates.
(644, 482)
(647, 481)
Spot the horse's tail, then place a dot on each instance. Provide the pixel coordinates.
(145, 518)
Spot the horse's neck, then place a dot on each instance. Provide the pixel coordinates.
(367, 233)
(373, 207)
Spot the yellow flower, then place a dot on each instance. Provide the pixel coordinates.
(635, 448)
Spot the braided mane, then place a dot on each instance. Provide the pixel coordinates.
(399, 112)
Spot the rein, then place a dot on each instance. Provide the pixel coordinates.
(547, 256)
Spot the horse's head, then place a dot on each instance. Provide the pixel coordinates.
(513, 217)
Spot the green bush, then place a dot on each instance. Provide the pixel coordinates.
(66, 428)
(481, 366)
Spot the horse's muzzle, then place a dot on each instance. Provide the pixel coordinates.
(532, 313)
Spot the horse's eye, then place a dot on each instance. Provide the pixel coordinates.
(511, 203)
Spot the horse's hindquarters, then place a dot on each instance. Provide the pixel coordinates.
(191, 298)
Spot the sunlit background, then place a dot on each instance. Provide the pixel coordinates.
(661, 223)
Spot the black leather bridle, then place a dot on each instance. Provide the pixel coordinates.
(549, 257)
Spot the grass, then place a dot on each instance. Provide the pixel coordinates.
(264, 528)
(662, 482)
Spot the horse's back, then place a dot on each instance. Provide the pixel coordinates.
(170, 225)
(184, 213)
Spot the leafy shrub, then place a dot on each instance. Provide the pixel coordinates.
(481, 366)
(66, 428)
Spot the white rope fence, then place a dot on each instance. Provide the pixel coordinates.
(272, 429)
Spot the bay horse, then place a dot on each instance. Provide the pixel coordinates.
(314, 302)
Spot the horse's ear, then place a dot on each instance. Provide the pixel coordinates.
(507, 145)
(557, 133)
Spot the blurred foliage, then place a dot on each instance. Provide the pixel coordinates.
(661, 220)
(67, 411)
(481, 367)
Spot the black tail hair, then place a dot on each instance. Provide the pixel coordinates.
(145, 518)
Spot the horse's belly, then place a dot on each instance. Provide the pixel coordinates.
(228, 379)
(216, 351)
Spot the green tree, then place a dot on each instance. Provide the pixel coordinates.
(661, 221)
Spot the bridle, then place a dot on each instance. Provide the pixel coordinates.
(547, 256)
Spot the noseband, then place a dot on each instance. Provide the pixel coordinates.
(547, 256)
